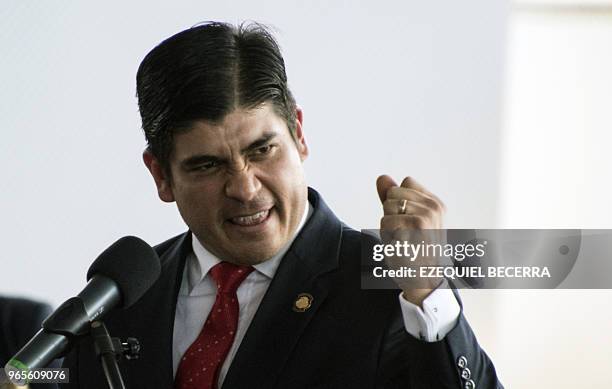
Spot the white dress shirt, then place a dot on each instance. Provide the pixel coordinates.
(198, 292)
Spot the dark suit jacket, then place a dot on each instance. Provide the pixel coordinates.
(348, 338)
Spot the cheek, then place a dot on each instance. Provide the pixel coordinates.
(284, 177)
(198, 189)
(196, 204)
(287, 184)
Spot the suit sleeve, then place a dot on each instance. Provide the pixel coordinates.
(456, 361)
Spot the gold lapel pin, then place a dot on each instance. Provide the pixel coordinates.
(302, 302)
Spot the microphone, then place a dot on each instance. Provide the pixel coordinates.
(119, 277)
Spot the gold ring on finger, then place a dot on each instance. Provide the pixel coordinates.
(402, 209)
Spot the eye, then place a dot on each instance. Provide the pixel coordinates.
(206, 166)
(263, 150)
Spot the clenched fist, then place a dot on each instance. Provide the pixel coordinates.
(410, 211)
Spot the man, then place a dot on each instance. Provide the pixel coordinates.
(263, 291)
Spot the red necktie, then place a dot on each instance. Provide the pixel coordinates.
(200, 365)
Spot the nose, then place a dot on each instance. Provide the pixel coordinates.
(242, 185)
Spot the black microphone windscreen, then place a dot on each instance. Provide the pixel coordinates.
(132, 264)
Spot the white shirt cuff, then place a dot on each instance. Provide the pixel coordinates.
(437, 318)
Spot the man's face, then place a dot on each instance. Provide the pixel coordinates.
(239, 184)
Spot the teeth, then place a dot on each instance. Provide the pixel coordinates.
(251, 219)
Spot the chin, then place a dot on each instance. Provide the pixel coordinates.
(253, 256)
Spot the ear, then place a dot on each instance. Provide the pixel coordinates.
(299, 134)
(164, 188)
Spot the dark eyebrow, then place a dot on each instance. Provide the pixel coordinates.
(262, 141)
(200, 159)
(197, 160)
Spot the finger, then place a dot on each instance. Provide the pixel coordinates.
(411, 183)
(393, 207)
(403, 222)
(383, 184)
(398, 193)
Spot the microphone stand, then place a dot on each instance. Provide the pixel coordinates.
(105, 351)
(108, 350)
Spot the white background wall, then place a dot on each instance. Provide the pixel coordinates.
(428, 89)
(555, 173)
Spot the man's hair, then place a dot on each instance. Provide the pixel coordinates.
(206, 72)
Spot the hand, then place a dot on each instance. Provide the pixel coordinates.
(409, 211)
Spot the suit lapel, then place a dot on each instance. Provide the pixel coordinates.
(276, 327)
(153, 320)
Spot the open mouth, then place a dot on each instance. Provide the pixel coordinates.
(252, 219)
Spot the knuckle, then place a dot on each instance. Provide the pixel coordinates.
(388, 205)
(386, 223)
(429, 214)
(419, 222)
(432, 205)
(392, 222)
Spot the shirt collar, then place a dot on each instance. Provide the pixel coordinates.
(203, 260)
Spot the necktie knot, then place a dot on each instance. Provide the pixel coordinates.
(229, 276)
